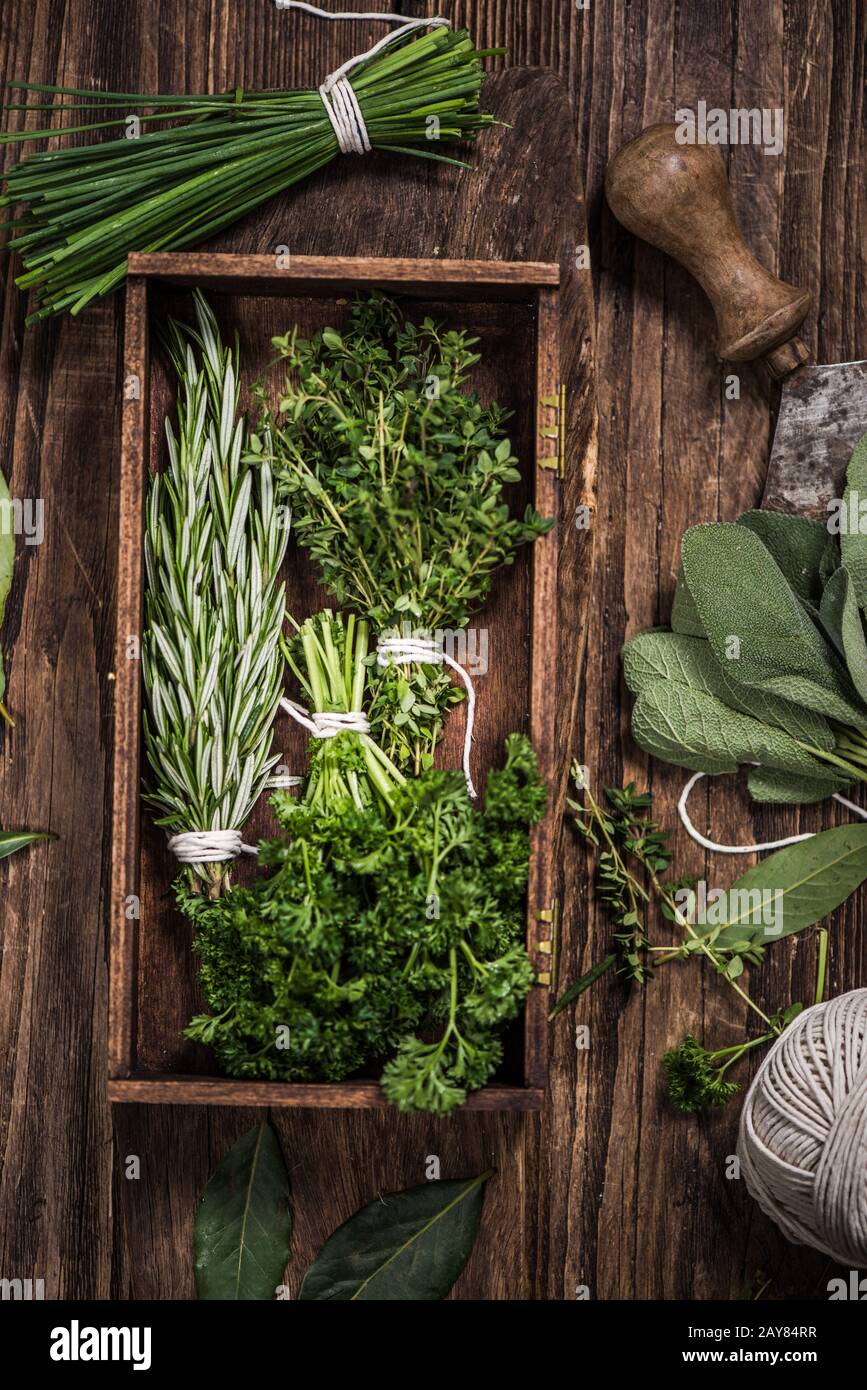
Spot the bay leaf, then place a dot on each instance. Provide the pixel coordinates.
(800, 884)
(853, 545)
(658, 655)
(406, 1246)
(12, 840)
(796, 544)
(243, 1223)
(691, 729)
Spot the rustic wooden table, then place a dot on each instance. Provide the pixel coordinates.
(607, 1189)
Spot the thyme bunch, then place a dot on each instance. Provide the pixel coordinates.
(397, 476)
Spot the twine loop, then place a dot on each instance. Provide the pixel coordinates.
(712, 845)
(403, 650)
(338, 95)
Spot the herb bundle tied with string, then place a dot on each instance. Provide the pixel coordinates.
(214, 605)
(396, 473)
(199, 163)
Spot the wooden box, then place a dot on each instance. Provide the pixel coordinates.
(513, 308)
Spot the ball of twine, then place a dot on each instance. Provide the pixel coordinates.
(803, 1131)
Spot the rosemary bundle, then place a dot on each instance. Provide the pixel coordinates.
(211, 657)
(218, 157)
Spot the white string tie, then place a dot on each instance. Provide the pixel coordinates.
(429, 653)
(338, 95)
(745, 849)
(327, 723)
(208, 846)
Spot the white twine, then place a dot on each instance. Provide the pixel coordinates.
(803, 1130)
(327, 723)
(208, 846)
(337, 93)
(746, 849)
(427, 652)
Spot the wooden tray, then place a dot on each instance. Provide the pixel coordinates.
(513, 308)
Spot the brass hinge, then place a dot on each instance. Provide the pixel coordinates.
(548, 947)
(556, 462)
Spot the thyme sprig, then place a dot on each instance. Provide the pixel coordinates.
(633, 854)
(397, 474)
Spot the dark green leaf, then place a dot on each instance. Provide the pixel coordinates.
(853, 543)
(831, 609)
(583, 983)
(12, 840)
(789, 788)
(406, 1246)
(651, 657)
(796, 887)
(796, 544)
(755, 622)
(691, 729)
(244, 1224)
(852, 632)
(684, 614)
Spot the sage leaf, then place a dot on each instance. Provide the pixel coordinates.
(244, 1224)
(796, 887)
(406, 1246)
(691, 729)
(853, 544)
(684, 614)
(831, 609)
(655, 656)
(852, 633)
(790, 788)
(796, 544)
(754, 621)
(12, 840)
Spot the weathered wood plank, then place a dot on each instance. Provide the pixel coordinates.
(611, 1189)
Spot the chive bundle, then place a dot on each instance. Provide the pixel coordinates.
(89, 206)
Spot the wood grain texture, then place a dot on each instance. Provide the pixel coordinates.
(609, 1189)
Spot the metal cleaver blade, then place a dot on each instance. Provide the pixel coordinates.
(823, 414)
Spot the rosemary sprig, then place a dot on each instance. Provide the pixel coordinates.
(214, 608)
(89, 206)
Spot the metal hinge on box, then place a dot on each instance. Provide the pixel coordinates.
(548, 947)
(557, 431)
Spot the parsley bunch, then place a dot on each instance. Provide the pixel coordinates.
(396, 474)
(375, 930)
